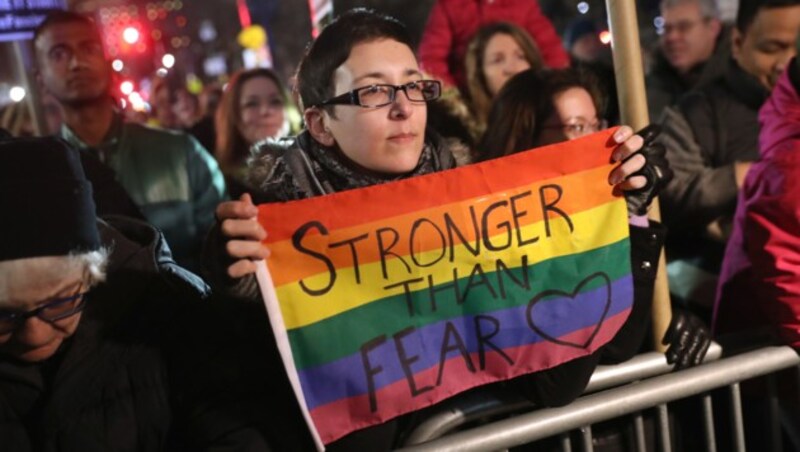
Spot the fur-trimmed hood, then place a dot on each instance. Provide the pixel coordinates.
(299, 167)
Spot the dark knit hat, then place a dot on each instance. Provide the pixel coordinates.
(45, 200)
(578, 28)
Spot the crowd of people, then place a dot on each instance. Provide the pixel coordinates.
(130, 315)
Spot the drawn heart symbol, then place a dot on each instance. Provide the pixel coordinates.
(571, 305)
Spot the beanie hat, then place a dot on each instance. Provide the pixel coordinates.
(576, 29)
(45, 200)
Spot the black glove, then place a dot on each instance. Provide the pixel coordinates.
(656, 170)
(688, 338)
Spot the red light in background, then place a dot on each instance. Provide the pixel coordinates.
(130, 35)
(605, 37)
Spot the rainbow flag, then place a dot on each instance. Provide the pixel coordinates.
(391, 298)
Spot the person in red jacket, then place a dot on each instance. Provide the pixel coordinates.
(452, 24)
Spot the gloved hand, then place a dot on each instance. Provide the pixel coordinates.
(656, 170)
(688, 339)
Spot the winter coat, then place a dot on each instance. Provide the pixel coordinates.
(760, 281)
(289, 170)
(174, 181)
(709, 130)
(153, 365)
(665, 86)
(452, 24)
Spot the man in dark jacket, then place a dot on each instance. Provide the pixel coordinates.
(711, 139)
(174, 182)
(93, 354)
(693, 48)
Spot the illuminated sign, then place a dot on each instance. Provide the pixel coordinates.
(18, 18)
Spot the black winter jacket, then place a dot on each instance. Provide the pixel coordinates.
(710, 129)
(126, 380)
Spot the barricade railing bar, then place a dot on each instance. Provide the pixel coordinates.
(621, 401)
(465, 409)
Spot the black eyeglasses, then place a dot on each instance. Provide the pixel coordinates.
(55, 310)
(375, 96)
(579, 129)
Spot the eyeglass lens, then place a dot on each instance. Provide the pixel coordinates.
(54, 310)
(379, 95)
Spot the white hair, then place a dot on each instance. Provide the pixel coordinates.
(90, 265)
(708, 8)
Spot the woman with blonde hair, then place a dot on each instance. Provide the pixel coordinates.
(254, 107)
(496, 53)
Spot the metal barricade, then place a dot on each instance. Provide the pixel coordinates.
(461, 410)
(655, 391)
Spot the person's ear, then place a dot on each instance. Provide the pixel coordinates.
(716, 27)
(37, 75)
(737, 41)
(316, 121)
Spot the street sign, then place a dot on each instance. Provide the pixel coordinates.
(18, 18)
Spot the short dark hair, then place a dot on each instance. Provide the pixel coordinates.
(748, 9)
(333, 46)
(524, 103)
(60, 17)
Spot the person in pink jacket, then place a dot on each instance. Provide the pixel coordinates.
(452, 23)
(760, 280)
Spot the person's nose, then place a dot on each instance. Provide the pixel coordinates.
(34, 331)
(670, 34)
(783, 62)
(77, 60)
(402, 107)
(513, 67)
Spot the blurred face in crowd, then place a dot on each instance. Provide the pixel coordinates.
(766, 48)
(688, 38)
(34, 283)
(502, 59)
(72, 66)
(574, 116)
(162, 106)
(261, 109)
(185, 108)
(386, 139)
(589, 48)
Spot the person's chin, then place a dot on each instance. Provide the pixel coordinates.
(38, 354)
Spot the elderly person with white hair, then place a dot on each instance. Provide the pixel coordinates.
(93, 318)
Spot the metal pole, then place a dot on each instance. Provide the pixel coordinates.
(629, 74)
(737, 418)
(31, 91)
(708, 424)
(638, 429)
(664, 434)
